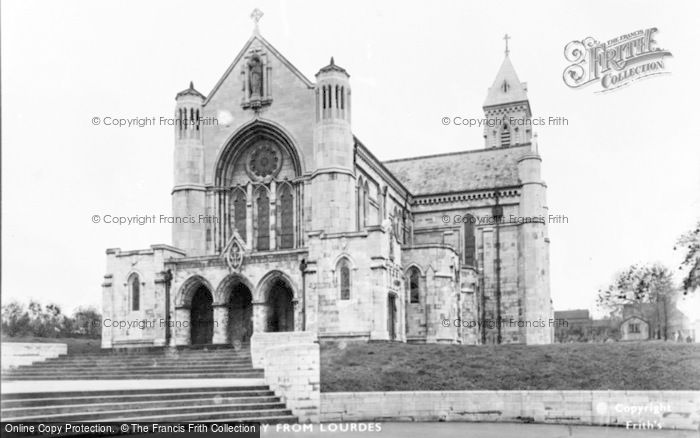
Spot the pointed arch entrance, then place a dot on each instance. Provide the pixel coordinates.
(201, 317)
(240, 313)
(280, 304)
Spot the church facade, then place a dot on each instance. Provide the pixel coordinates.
(284, 221)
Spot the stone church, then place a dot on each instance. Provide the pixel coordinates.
(285, 221)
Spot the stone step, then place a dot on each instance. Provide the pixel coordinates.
(159, 357)
(120, 392)
(265, 417)
(88, 358)
(161, 351)
(137, 376)
(251, 402)
(181, 413)
(77, 375)
(135, 368)
(160, 361)
(61, 399)
(126, 369)
(235, 404)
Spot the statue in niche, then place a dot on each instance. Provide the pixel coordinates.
(255, 77)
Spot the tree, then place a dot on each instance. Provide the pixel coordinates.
(690, 244)
(15, 319)
(640, 284)
(87, 322)
(46, 322)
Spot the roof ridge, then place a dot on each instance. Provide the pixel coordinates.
(444, 154)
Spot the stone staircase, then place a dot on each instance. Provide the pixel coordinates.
(216, 363)
(255, 403)
(244, 401)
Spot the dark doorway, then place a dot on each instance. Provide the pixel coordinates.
(201, 317)
(240, 314)
(280, 308)
(391, 317)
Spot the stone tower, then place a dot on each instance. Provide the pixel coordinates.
(508, 109)
(189, 193)
(507, 104)
(333, 179)
(534, 241)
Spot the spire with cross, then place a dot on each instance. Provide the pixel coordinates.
(506, 38)
(256, 15)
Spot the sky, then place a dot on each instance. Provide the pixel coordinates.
(625, 170)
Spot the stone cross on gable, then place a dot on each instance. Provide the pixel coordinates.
(256, 15)
(506, 37)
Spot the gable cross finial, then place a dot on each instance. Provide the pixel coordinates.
(256, 15)
(506, 37)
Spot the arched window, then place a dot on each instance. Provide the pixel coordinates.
(505, 86)
(286, 217)
(263, 220)
(365, 203)
(414, 285)
(397, 226)
(135, 292)
(344, 273)
(360, 204)
(404, 225)
(380, 201)
(469, 241)
(505, 136)
(239, 213)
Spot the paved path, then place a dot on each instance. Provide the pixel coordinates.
(471, 430)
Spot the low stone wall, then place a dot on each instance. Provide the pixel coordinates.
(261, 341)
(292, 363)
(631, 409)
(15, 354)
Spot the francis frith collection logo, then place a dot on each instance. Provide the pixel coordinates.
(614, 63)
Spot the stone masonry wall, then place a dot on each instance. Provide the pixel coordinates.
(261, 341)
(15, 354)
(364, 314)
(630, 409)
(293, 372)
(117, 311)
(437, 264)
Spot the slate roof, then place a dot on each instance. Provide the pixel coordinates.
(572, 314)
(459, 171)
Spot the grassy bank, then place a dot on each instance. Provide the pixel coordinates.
(403, 367)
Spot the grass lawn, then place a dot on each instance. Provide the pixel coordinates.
(655, 365)
(75, 345)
